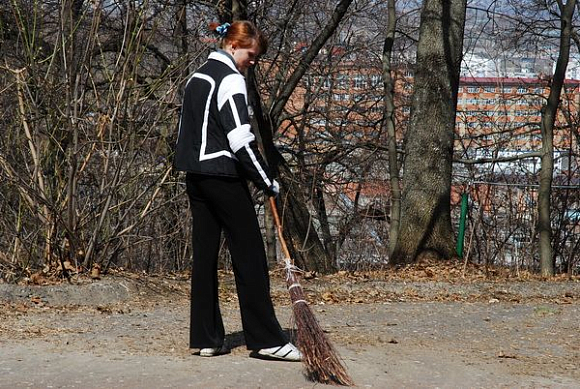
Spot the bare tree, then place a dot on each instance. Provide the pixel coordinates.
(95, 85)
(549, 113)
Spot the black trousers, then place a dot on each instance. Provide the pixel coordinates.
(219, 203)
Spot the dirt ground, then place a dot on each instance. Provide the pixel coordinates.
(426, 328)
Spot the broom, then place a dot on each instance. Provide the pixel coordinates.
(321, 359)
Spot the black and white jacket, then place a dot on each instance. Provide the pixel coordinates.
(215, 137)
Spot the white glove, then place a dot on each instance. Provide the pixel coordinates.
(274, 189)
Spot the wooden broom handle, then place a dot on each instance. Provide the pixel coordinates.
(279, 227)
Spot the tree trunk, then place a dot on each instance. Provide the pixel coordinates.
(320, 205)
(389, 120)
(425, 203)
(181, 33)
(270, 235)
(224, 10)
(549, 113)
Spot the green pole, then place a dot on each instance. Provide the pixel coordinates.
(461, 236)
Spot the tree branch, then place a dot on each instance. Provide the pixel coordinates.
(309, 56)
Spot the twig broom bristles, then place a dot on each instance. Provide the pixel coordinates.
(321, 359)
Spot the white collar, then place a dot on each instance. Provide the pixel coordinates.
(223, 57)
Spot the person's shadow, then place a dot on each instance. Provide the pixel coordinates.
(236, 339)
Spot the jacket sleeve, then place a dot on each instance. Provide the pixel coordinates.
(233, 111)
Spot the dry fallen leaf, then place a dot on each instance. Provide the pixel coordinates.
(37, 278)
(96, 272)
(69, 266)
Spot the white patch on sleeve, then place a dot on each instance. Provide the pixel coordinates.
(258, 166)
(239, 137)
(231, 85)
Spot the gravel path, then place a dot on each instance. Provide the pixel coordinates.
(127, 333)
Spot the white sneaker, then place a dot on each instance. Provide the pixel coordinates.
(213, 351)
(287, 352)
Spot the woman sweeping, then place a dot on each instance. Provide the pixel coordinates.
(217, 149)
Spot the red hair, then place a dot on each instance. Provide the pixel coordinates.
(242, 33)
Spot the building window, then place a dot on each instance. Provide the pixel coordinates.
(472, 89)
(340, 97)
(522, 89)
(342, 81)
(490, 89)
(359, 81)
(376, 80)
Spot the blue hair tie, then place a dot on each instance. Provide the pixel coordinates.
(222, 30)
